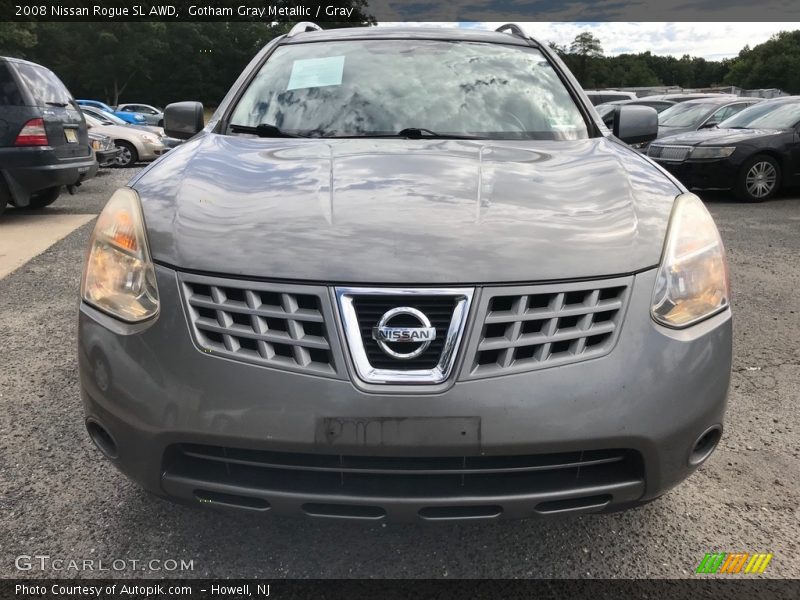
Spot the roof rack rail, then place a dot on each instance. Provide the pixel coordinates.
(513, 29)
(302, 27)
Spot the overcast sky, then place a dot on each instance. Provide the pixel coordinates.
(712, 41)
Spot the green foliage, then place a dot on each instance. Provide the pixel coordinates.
(16, 38)
(158, 63)
(587, 50)
(151, 62)
(586, 44)
(775, 63)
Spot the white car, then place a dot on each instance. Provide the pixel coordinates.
(136, 144)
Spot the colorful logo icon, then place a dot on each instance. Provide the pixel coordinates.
(740, 562)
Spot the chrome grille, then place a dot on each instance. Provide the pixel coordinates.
(541, 326)
(370, 309)
(361, 310)
(280, 326)
(669, 153)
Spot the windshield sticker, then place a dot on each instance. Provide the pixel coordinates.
(316, 72)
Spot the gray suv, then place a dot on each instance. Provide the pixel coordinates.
(406, 274)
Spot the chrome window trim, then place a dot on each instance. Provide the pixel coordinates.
(352, 333)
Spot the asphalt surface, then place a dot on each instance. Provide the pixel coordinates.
(59, 497)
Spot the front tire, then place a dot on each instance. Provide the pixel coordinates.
(128, 156)
(44, 198)
(759, 179)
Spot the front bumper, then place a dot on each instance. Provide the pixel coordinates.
(106, 158)
(198, 428)
(703, 174)
(151, 151)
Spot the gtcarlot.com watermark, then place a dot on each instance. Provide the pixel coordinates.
(45, 562)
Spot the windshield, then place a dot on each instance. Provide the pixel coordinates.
(685, 114)
(107, 118)
(605, 110)
(767, 115)
(43, 85)
(380, 87)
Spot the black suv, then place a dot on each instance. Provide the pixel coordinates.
(44, 143)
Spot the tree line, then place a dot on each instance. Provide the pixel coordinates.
(149, 62)
(773, 64)
(158, 63)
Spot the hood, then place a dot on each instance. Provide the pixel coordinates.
(159, 131)
(716, 137)
(123, 132)
(405, 211)
(664, 131)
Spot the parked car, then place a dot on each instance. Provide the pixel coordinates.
(43, 140)
(460, 302)
(128, 117)
(704, 113)
(151, 114)
(755, 152)
(684, 96)
(606, 110)
(104, 149)
(602, 96)
(109, 119)
(135, 145)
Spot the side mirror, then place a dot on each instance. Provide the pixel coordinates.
(709, 125)
(182, 120)
(635, 124)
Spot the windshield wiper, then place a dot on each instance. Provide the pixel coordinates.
(59, 104)
(411, 133)
(265, 130)
(417, 133)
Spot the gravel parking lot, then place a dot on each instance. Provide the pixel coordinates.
(59, 497)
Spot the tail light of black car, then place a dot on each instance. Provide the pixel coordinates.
(32, 133)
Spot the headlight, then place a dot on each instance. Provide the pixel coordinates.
(119, 277)
(97, 145)
(712, 151)
(692, 281)
(150, 139)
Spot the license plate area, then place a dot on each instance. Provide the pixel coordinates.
(415, 435)
(71, 135)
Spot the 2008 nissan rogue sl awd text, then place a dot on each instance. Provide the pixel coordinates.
(406, 274)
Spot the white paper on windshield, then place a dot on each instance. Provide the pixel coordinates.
(316, 72)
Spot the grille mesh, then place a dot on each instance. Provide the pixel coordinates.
(416, 476)
(370, 309)
(265, 325)
(671, 153)
(541, 327)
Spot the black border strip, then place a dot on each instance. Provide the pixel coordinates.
(402, 10)
(744, 587)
